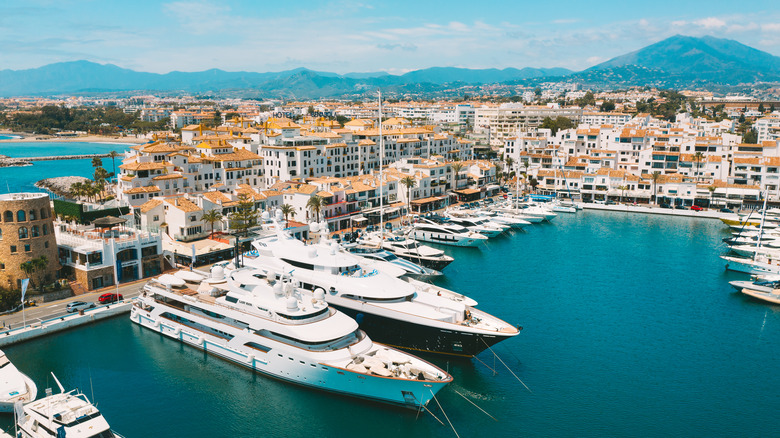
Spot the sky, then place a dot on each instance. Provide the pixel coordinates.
(353, 36)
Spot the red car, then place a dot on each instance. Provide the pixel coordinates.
(110, 298)
(696, 208)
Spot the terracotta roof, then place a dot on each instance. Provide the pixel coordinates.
(147, 189)
(147, 206)
(183, 204)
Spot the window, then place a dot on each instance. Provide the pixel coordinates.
(2, 266)
(23, 233)
(1, 234)
(45, 229)
(20, 216)
(35, 230)
(46, 244)
(32, 215)
(9, 216)
(27, 248)
(44, 213)
(13, 249)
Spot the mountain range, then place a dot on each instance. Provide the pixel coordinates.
(678, 61)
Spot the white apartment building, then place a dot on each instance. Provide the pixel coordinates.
(768, 128)
(605, 118)
(506, 120)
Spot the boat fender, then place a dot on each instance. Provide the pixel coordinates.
(177, 331)
(201, 341)
(251, 359)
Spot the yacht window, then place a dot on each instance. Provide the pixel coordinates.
(77, 421)
(259, 347)
(299, 317)
(376, 300)
(307, 266)
(230, 299)
(4, 361)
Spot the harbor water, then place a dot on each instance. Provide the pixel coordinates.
(630, 329)
(23, 178)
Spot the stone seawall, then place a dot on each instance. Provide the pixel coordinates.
(54, 325)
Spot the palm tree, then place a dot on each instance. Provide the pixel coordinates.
(315, 205)
(212, 216)
(287, 210)
(456, 168)
(655, 176)
(409, 182)
(533, 183)
(113, 155)
(697, 157)
(712, 191)
(622, 189)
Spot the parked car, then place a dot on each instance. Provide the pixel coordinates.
(75, 306)
(726, 210)
(611, 202)
(696, 208)
(680, 207)
(665, 205)
(110, 298)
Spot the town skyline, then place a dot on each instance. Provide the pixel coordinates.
(346, 36)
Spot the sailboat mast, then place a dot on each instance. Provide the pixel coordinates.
(381, 159)
(761, 227)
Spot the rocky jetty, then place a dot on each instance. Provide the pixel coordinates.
(60, 185)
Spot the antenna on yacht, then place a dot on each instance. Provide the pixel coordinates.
(58, 382)
(381, 161)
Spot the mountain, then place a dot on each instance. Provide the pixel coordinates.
(85, 76)
(684, 60)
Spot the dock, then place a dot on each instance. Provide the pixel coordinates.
(647, 209)
(38, 328)
(26, 161)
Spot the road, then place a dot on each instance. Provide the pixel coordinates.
(57, 308)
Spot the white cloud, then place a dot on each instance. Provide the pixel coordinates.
(710, 23)
(770, 27)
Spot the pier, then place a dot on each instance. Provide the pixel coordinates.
(26, 161)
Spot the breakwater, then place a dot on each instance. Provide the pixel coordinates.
(27, 161)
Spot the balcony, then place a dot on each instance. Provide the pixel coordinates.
(187, 238)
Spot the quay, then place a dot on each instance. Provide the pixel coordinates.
(649, 209)
(56, 324)
(26, 161)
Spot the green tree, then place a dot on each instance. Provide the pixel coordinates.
(287, 210)
(409, 182)
(533, 182)
(245, 216)
(113, 155)
(557, 124)
(456, 168)
(712, 192)
(761, 108)
(315, 205)
(655, 176)
(212, 216)
(607, 106)
(39, 266)
(697, 157)
(750, 137)
(97, 162)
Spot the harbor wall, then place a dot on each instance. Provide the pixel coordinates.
(54, 325)
(707, 214)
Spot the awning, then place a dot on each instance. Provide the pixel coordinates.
(467, 191)
(426, 200)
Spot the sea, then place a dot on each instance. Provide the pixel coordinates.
(23, 178)
(630, 329)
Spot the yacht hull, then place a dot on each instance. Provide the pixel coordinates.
(411, 336)
(7, 405)
(289, 367)
(437, 264)
(446, 239)
(763, 296)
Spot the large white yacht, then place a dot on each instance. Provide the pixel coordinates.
(375, 253)
(15, 386)
(428, 230)
(409, 249)
(266, 323)
(67, 414)
(501, 218)
(402, 313)
(477, 224)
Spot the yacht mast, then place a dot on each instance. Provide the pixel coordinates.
(381, 159)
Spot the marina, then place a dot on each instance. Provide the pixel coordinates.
(607, 349)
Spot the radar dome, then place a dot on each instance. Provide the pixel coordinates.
(292, 303)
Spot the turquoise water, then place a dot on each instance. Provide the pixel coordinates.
(18, 179)
(7, 136)
(630, 329)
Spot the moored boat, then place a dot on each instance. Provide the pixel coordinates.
(15, 386)
(267, 323)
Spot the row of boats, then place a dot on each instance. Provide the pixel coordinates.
(754, 248)
(64, 414)
(344, 317)
(303, 313)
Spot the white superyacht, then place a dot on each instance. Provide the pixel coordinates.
(268, 324)
(15, 386)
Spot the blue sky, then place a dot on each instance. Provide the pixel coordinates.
(354, 36)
